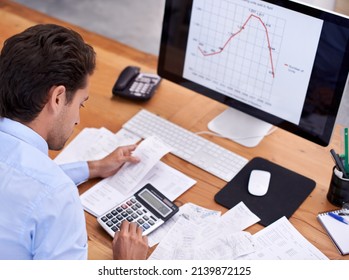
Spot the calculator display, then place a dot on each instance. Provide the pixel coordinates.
(154, 202)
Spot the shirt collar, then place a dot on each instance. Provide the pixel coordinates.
(23, 133)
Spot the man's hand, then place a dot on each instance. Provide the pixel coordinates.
(110, 164)
(129, 244)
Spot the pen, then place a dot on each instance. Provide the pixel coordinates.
(346, 163)
(338, 218)
(338, 162)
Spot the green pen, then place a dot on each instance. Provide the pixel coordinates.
(346, 163)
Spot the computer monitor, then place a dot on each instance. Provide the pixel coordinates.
(273, 62)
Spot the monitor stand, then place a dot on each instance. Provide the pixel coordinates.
(240, 127)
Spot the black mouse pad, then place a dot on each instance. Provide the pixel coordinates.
(287, 190)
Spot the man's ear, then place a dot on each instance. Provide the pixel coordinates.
(57, 98)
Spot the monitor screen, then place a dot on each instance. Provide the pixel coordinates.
(279, 61)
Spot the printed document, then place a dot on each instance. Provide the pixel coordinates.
(149, 151)
(92, 144)
(103, 196)
(281, 241)
(189, 211)
(201, 234)
(222, 237)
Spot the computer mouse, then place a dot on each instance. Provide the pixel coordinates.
(258, 183)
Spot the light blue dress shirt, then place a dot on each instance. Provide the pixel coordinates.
(41, 216)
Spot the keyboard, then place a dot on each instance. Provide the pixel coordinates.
(187, 145)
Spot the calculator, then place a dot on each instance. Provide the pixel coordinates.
(148, 207)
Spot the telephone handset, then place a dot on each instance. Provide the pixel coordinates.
(135, 85)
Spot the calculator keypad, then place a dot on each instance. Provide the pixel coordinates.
(131, 210)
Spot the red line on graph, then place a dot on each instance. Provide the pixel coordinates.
(241, 29)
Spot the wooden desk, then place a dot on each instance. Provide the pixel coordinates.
(192, 111)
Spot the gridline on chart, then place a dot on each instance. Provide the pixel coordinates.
(237, 46)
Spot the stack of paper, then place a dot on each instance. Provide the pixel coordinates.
(93, 144)
(199, 234)
(132, 177)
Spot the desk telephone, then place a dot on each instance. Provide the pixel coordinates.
(135, 85)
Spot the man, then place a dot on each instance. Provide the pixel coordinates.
(44, 81)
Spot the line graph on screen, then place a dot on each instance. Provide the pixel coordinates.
(235, 47)
(232, 36)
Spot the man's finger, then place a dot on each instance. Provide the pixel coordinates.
(125, 225)
(133, 227)
(145, 239)
(139, 230)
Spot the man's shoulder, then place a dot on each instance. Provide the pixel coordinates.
(32, 164)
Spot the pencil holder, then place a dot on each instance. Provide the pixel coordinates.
(338, 192)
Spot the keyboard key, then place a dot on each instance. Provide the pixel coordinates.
(146, 226)
(104, 219)
(114, 228)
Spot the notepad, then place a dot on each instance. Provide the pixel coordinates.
(337, 231)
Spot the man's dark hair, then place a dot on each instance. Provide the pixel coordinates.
(34, 61)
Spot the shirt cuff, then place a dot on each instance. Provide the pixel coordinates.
(77, 171)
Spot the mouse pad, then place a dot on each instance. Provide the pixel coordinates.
(287, 190)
